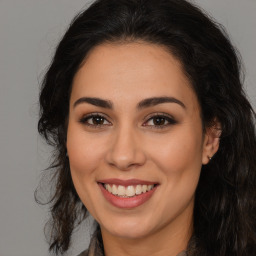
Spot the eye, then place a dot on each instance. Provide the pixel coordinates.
(160, 121)
(96, 120)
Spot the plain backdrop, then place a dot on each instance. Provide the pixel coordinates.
(29, 32)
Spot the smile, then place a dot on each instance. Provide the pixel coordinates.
(129, 191)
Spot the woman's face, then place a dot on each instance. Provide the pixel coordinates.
(135, 140)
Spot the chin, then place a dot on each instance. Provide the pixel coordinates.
(128, 228)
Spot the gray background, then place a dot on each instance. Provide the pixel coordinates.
(29, 31)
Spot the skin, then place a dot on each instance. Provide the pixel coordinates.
(129, 145)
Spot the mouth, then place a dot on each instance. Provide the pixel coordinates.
(127, 193)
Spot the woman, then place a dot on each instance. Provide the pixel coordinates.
(153, 134)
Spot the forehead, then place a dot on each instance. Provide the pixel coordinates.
(132, 71)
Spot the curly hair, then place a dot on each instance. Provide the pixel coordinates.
(225, 201)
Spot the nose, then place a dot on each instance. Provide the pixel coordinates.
(126, 150)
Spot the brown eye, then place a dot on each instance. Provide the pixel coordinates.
(95, 120)
(159, 120)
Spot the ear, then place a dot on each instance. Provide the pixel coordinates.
(211, 141)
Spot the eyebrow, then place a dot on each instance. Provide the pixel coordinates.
(159, 100)
(95, 101)
(143, 104)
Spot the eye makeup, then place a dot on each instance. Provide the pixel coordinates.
(153, 121)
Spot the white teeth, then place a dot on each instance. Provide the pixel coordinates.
(114, 190)
(129, 191)
(138, 189)
(120, 190)
(144, 188)
(108, 187)
(150, 187)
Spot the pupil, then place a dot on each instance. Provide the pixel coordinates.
(98, 120)
(159, 121)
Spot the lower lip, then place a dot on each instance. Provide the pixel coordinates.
(129, 202)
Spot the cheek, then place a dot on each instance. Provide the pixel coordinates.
(179, 159)
(180, 163)
(179, 152)
(84, 152)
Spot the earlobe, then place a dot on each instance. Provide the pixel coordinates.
(211, 142)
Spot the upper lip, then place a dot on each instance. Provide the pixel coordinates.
(126, 183)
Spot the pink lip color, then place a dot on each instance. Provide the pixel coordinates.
(127, 203)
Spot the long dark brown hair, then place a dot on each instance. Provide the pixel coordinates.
(225, 202)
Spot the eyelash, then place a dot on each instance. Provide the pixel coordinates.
(84, 120)
(167, 118)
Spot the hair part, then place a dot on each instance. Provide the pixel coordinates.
(225, 202)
